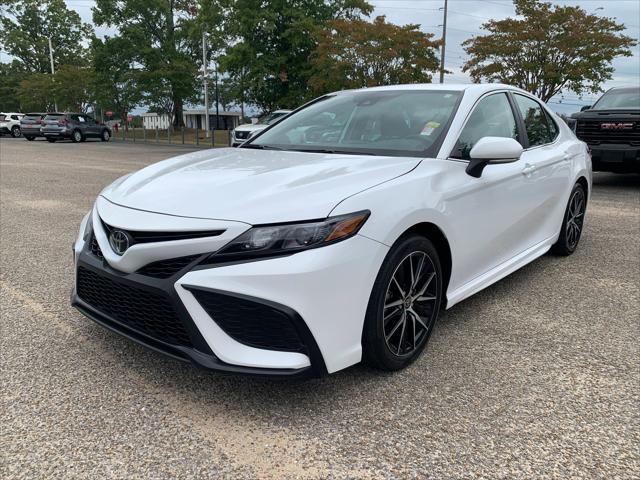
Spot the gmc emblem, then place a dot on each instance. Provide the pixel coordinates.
(616, 126)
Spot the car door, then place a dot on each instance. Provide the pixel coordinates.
(93, 129)
(83, 124)
(492, 213)
(546, 159)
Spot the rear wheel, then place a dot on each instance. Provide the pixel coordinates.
(77, 136)
(105, 136)
(404, 304)
(30, 138)
(16, 132)
(572, 223)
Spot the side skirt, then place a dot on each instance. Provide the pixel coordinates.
(498, 273)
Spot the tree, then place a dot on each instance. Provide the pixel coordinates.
(271, 43)
(116, 78)
(27, 26)
(357, 53)
(72, 88)
(35, 93)
(549, 49)
(11, 74)
(166, 49)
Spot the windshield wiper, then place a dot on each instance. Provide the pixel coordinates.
(332, 150)
(257, 146)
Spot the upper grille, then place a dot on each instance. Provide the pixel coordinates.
(591, 132)
(166, 268)
(146, 312)
(146, 237)
(251, 323)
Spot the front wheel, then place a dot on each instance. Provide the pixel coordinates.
(105, 136)
(572, 222)
(16, 132)
(30, 138)
(51, 140)
(404, 304)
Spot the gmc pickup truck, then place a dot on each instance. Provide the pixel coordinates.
(611, 128)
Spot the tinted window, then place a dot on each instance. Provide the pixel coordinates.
(623, 98)
(492, 117)
(53, 118)
(382, 122)
(2, 117)
(31, 118)
(536, 121)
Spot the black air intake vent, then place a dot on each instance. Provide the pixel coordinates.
(254, 324)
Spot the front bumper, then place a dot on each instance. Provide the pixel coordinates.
(615, 158)
(321, 294)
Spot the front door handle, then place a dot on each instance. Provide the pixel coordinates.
(528, 169)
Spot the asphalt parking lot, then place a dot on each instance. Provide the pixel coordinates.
(536, 377)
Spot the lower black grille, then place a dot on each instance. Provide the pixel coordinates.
(251, 323)
(146, 312)
(166, 268)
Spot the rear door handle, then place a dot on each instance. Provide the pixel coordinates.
(528, 169)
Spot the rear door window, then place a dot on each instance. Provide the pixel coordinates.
(539, 126)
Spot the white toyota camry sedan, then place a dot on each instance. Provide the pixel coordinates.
(337, 235)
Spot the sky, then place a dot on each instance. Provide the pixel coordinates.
(464, 21)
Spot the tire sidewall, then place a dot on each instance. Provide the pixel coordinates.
(76, 136)
(16, 132)
(105, 136)
(376, 351)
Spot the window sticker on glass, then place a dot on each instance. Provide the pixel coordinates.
(429, 128)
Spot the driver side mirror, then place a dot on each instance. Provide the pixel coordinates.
(492, 150)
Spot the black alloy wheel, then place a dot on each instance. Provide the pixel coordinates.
(572, 223)
(404, 304)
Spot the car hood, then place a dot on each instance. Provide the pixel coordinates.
(251, 127)
(253, 186)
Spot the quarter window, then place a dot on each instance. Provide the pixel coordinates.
(539, 126)
(492, 117)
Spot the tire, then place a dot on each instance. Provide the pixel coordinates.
(51, 140)
(16, 132)
(393, 315)
(30, 138)
(572, 222)
(77, 136)
(105, 135)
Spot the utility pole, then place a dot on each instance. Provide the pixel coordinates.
(53, 70)
(444, 42)
(217, 97)
(204, 82)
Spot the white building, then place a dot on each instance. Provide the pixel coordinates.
(193, 118)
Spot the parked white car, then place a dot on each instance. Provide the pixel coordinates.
(337, 235)
(244, 132)
(10, 123)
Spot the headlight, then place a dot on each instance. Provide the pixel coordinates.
(274, 240)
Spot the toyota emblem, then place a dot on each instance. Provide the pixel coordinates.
(119, 241)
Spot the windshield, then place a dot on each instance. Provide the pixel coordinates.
(271, 118)
(383, 122)
(623, 99)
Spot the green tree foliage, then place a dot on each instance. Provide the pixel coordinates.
(116, 78)
(27, 26)
(11, 74)
(72, 88)
(548, 49)
(271, 43)
(357, 53)
(166, 49)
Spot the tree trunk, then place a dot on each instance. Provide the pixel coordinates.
(178, 121)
